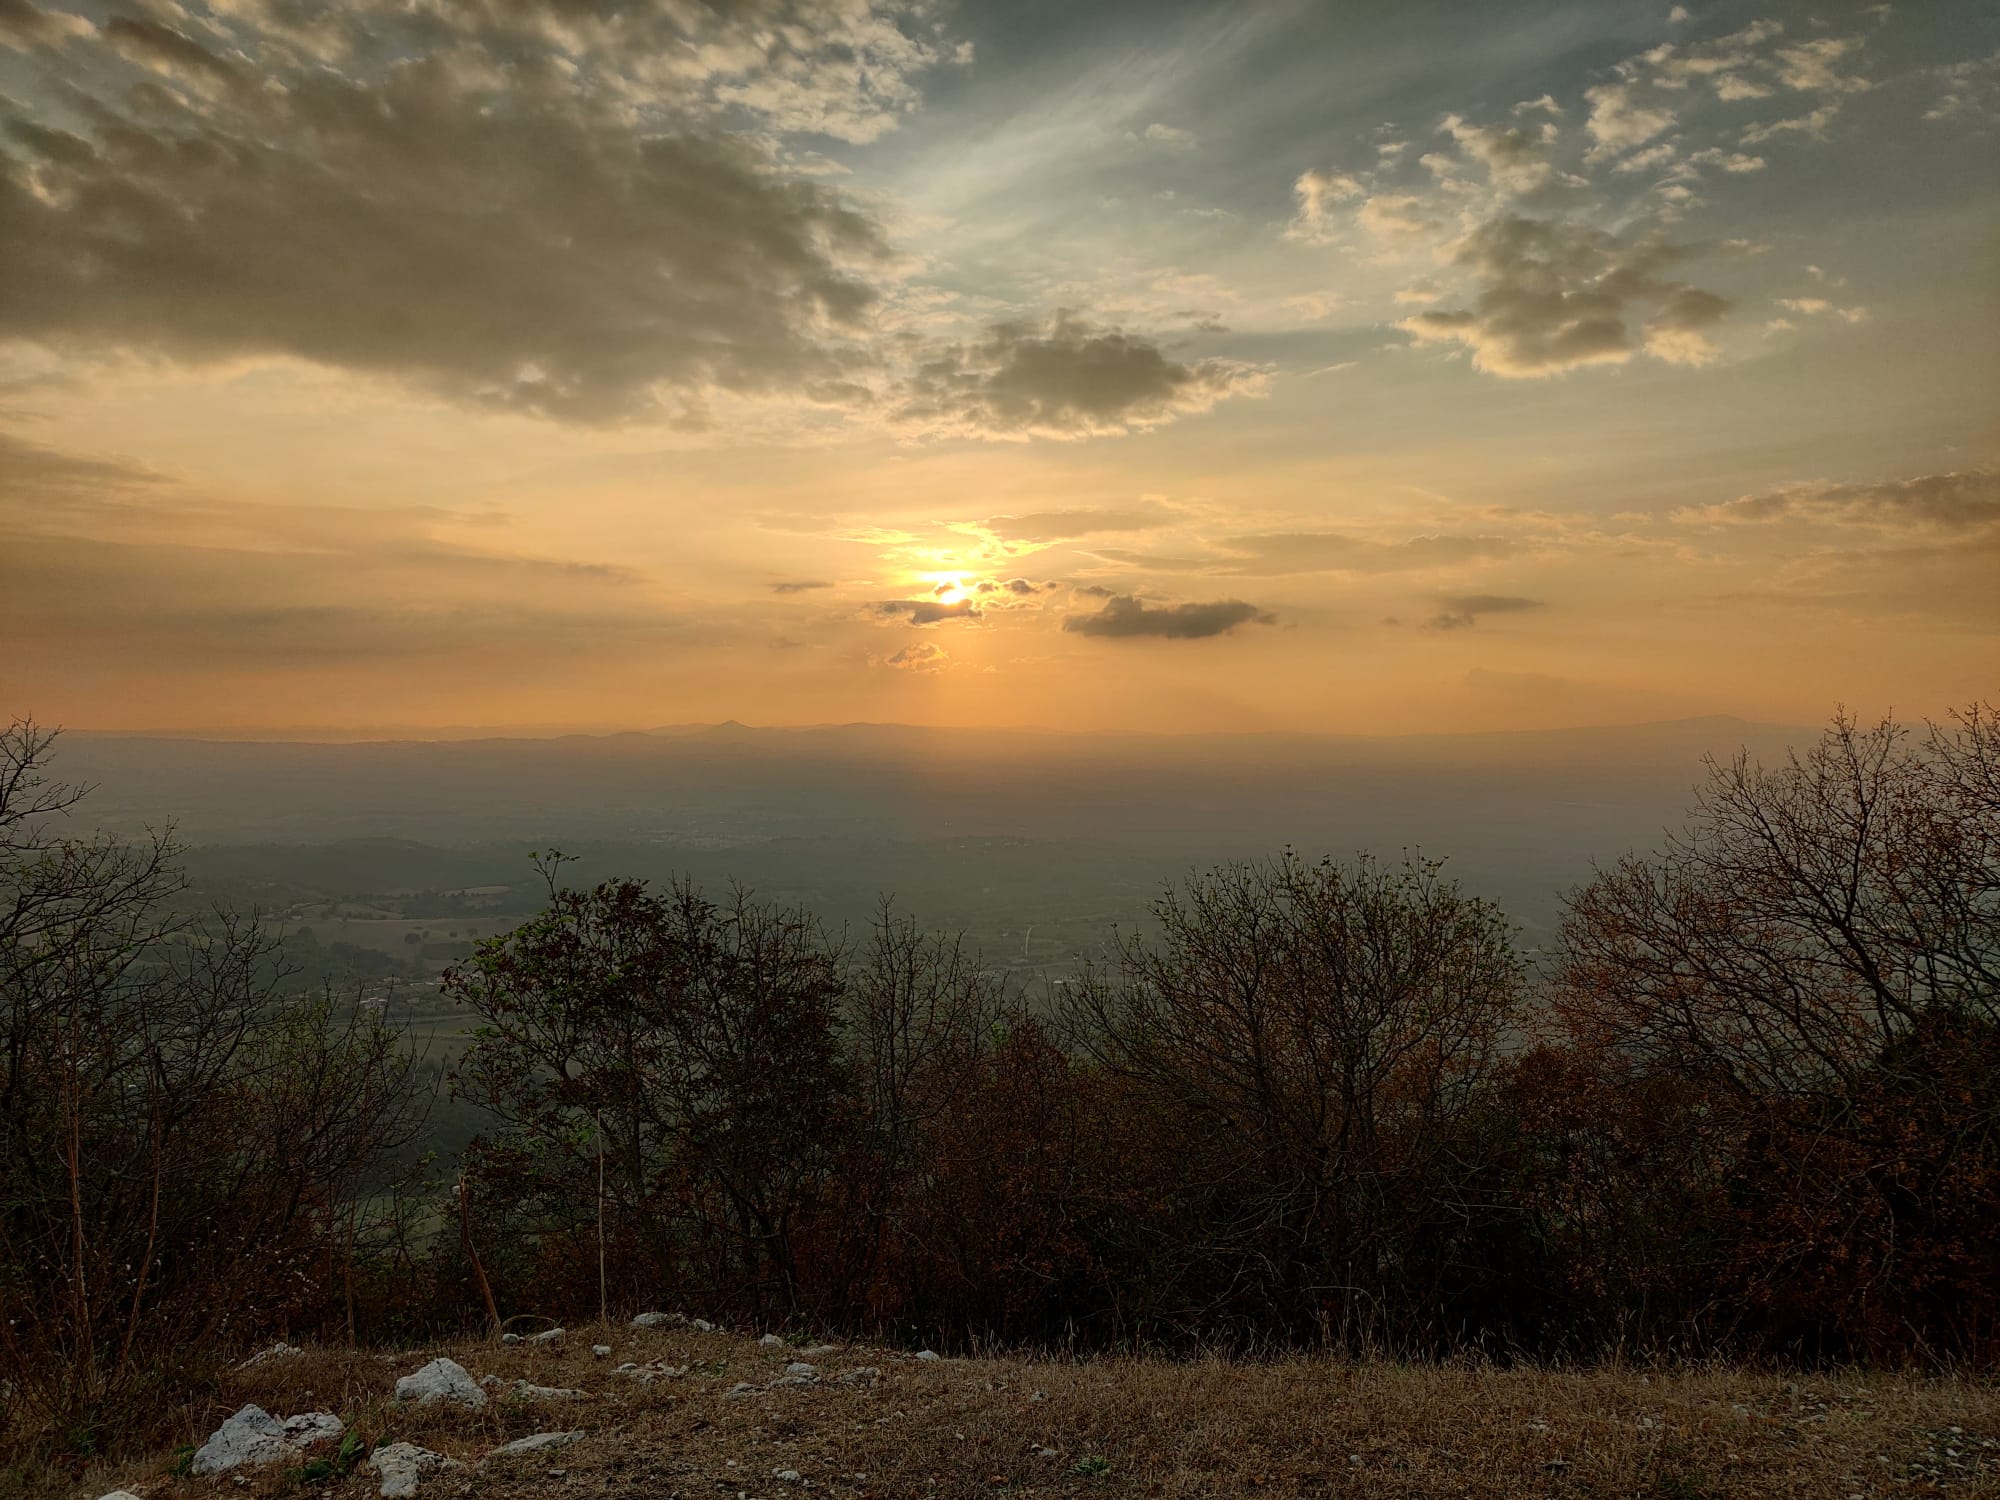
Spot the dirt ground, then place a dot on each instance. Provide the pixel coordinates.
(990, 1426)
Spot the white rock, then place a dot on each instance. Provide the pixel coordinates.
(537, 1443)
(739, 1390)
(658, 1320)
(276, 1351)
(600, 1351)
(402, 1466)
(928, 1355)
(546, 1336)
(310, 1427)
(702, 1325)
(800, 1367)
(771, 1341)
(865, 1375)
(442, 1380)
(821, 1350)
(522, 1390)
(119, 1495)
(249, 1438)
(787, 1476)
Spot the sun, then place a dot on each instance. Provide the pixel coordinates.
(948, 588)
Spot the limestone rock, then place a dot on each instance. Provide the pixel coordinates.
(276, 1351)
(403, 1466)
(250, 1438)
(522, 1390)
(658, 1320)
(310, 1427)
(537, 1443)
(442, 1380)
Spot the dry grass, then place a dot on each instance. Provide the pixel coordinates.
(1127, 1428)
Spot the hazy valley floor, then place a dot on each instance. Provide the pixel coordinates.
(1105, 1427)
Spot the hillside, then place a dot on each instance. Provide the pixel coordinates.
(731, 1425)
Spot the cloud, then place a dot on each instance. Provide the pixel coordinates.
(1124, 617)
(1555, 295)
(1515, 158)
(1399, 218)
(536, 207)
(1962, 500)
(1278, 552)
(1317, 193)
(1462, 611)
(800, 586)
(1814, 307)
(1060, 525)
(1815, 65)
(922, 657)
(30, 473)
(1063, 378)
(929, 611)
(1617, 122)
(1812, 126)
(1171, 136)
(1967, 89)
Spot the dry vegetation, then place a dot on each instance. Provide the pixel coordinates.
(1200, 1428)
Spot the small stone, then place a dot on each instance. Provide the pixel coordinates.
(119, 1495)
(658, 1320)
(928, 1355)
(800, 1367)
(820, 1351)
(771, 1341)
(442, 1380)
(739, 1390)
(600, 1351)
(863, 1375)
(546, 1336)
(702, 1325)
(522, 1390)
(537, 1443)
(787, 1476)
(276, 1351)
(402, 1466)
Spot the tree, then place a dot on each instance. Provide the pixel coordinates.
(1314, 1037)
(1812, 963)
(183, 1141)
(695, 1043)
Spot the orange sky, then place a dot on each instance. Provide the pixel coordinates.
(1158, 368)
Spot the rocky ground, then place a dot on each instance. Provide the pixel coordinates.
(678, 1411)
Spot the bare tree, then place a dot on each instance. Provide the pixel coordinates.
(1314, 1035)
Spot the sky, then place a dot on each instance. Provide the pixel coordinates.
(1362, 366)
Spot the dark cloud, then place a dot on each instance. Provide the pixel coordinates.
(800, 586)
(1065, 377)
(1276, 552)
(1555, 295)
(1124, 616)
(1462, 611)
(523, 203)
(928, 611)
(1957, 501)
(1060, 525)
(922, 657)
(29, 472)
